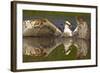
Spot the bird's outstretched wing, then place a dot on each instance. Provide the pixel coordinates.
(40, 27)
(82, 30)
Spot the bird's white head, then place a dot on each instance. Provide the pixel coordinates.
(67, 23)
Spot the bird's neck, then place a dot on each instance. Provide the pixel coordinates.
(66, 26)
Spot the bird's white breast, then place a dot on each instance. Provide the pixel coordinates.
(67, 31)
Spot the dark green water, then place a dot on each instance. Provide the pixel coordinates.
(55, 49)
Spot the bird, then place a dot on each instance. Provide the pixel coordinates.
(44, 27)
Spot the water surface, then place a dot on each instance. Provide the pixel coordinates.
(55, 49)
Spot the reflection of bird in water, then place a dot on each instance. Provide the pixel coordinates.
(67, 42)
(82, 47)
(45, 46)
(82, 29)
(67, 31)
(39, 46)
